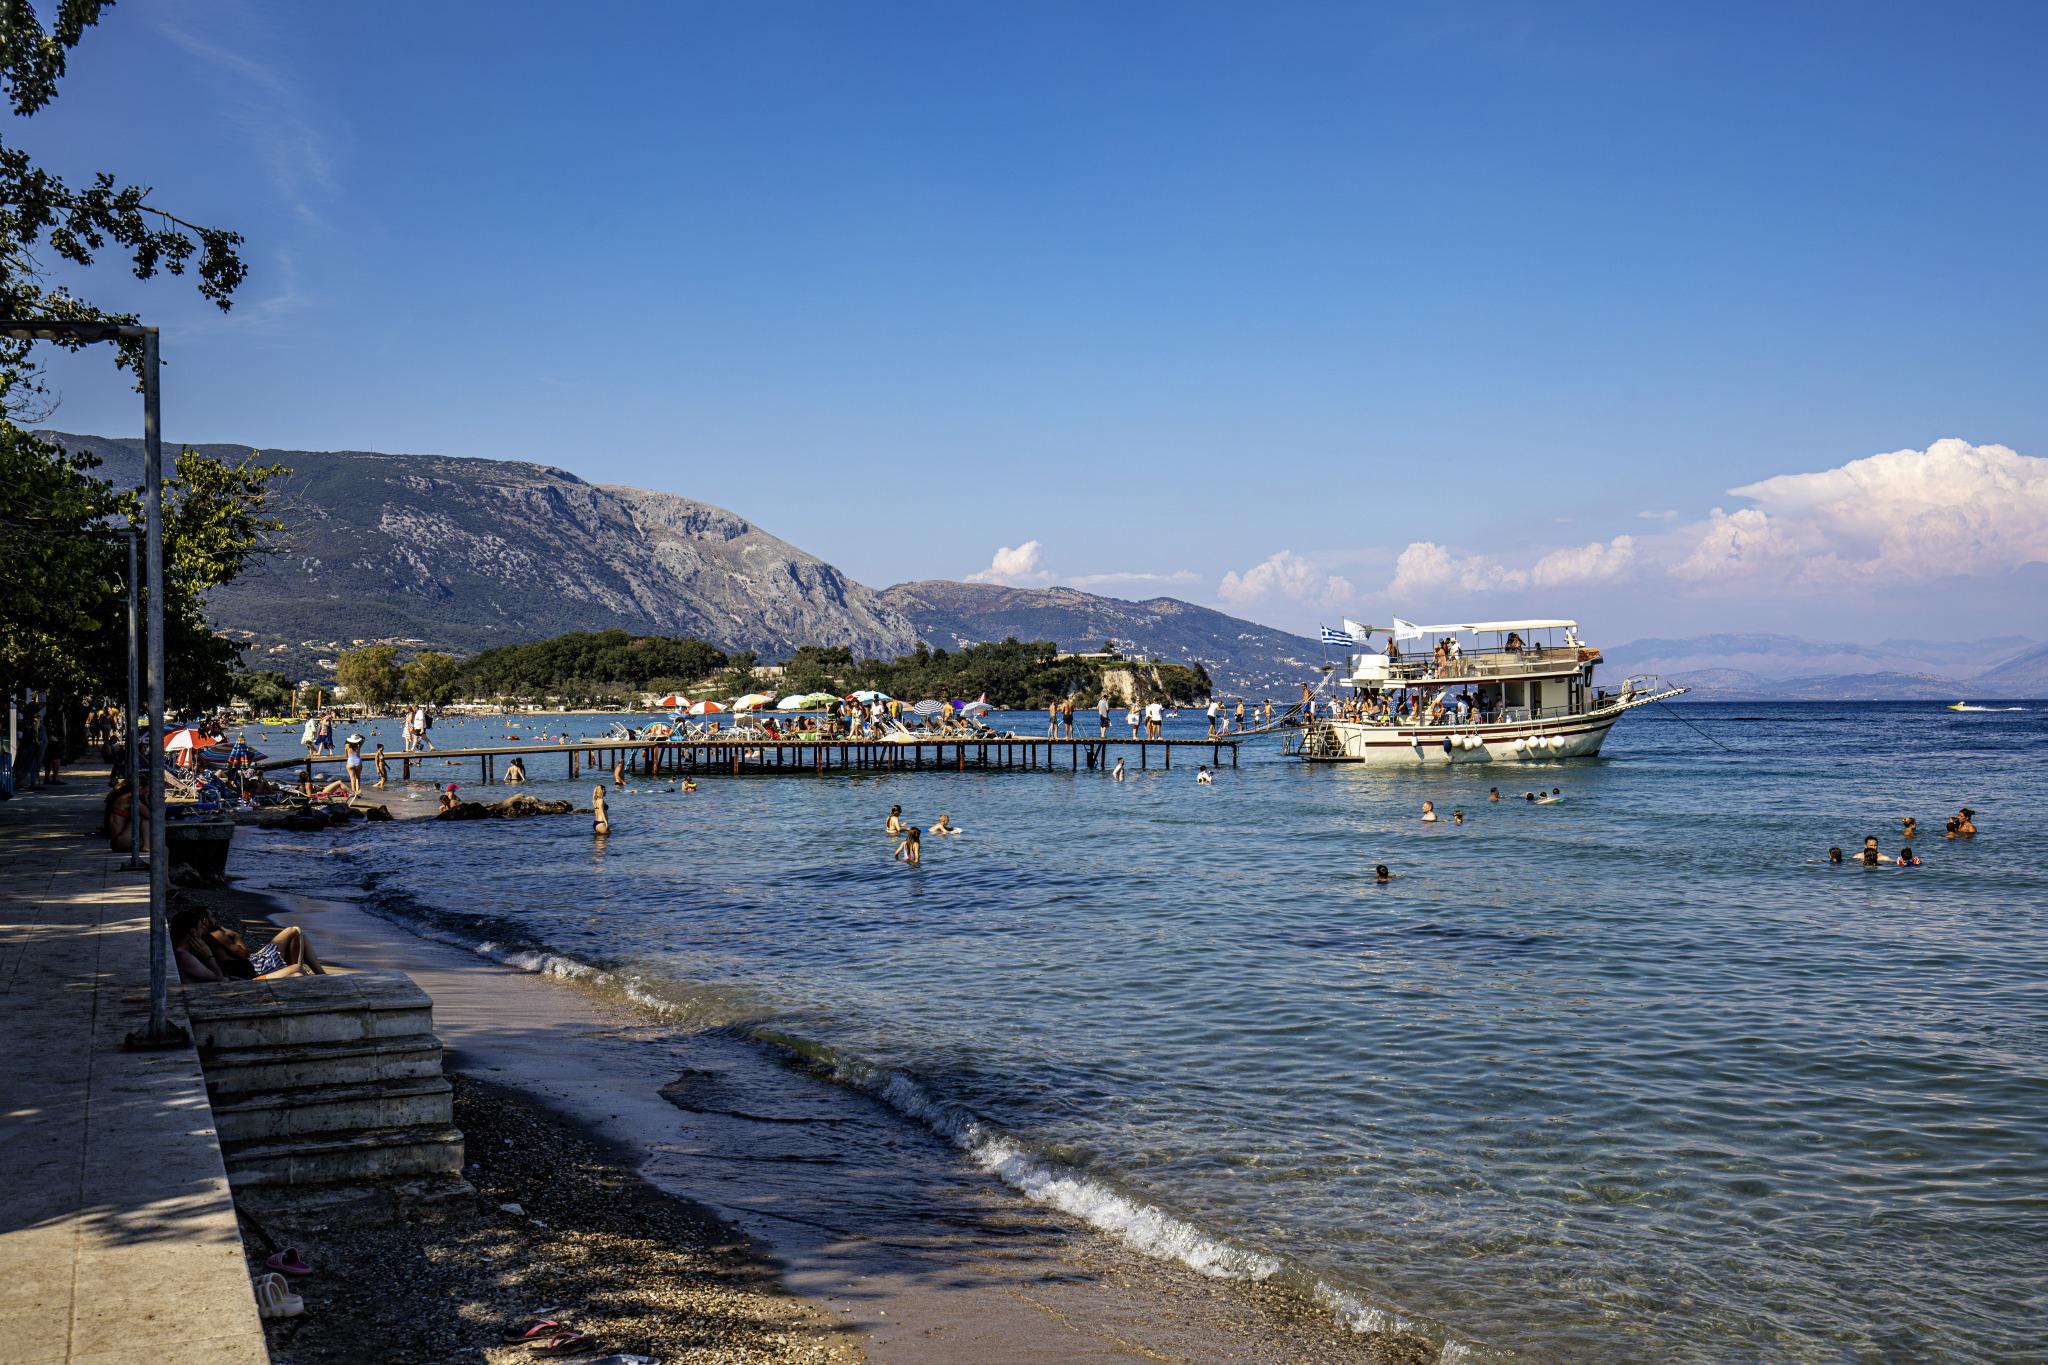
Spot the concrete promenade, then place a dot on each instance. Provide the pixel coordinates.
(117, 1236)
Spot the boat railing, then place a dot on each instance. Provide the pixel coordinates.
(1415, 668)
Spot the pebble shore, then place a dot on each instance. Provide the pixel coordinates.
(593, 1246)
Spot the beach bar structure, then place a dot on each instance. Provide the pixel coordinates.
(743, 755)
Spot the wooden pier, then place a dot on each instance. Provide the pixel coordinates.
(786, 757)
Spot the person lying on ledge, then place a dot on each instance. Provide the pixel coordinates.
(287, 955)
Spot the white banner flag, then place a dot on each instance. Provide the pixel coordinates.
(1406, 630)
(1358, 632)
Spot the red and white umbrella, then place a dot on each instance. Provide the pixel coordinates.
(752, 700)
(189, 738)
(706, 708)
(674, 699)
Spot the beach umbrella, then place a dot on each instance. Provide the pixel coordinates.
(928, 708)
(977, 708)
(242, 752)
(752, 700)
(188, 738)
(791, 704)
(706, 708)
(870, 695)
(819, 699)
(674, 699)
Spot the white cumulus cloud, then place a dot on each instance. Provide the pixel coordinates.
(1015, 568)
(1907, 517)
(1426, 569)
(1286, 576)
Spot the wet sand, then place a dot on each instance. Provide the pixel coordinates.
(865, 1213)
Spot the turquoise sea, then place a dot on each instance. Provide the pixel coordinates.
(1630, 1077)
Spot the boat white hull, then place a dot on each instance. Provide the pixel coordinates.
(1523, 741)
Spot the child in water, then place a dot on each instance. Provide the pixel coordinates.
(1203, 778)
(945, 825)
(908, 850)
(894, 824)
(1906, 858)
(1381, 874)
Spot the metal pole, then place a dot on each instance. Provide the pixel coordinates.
(134, 702)
(159, 856)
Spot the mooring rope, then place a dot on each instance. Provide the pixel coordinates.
(1695, 729)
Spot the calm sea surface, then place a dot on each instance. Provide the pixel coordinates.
(1630, 1077)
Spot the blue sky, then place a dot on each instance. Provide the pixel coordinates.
(1302, 310)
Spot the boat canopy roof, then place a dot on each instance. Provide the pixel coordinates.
(1498, 626)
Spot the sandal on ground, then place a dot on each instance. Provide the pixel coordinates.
(274, 1300)
(288, 1261)
(533, 1329)
(564, 1344)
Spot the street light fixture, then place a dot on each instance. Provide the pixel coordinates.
(160, 1033)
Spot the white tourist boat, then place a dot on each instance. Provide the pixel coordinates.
(1527, 688)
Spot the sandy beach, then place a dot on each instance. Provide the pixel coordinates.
(864, 1214)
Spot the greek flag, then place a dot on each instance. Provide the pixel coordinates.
(1337, 637)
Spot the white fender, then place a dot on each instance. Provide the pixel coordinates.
(1557, 741)
(1520, 744)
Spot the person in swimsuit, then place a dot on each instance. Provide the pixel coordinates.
(945, 825)
(689, 784)
(619, 771)
(352, 756)
(381, 773)
(1493, 794)
(1380, 873)
(907, 851)
(894, 824)
(1429, 812)
(1202, 777)
(515, 771)
(1911, 830)
(1871, 857)
(600, 818)
(1906, 858)
(1835, 854)
(1119, 773)
(1965, 823)
(1457, 817)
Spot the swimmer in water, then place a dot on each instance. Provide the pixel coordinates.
(1457, 817)
(1493, 794)
(1119, 773)
(1871, 857)
(907, 851)
(894, 824)
(945, 825)
(1911, 830)
(1429, 812)
(1380, 873)
(689, 784)
(600, 818)
(1966, 826)
(1528, 796)
(515, 771)
(1906, 858)
(1835, 854)
(619, 773)
(1203, 778)
(1552, 799)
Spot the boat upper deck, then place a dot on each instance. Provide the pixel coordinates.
(1408, 670)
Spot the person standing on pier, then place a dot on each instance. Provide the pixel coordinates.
(1155, 716)
(1215, 715)
(1052, 718)
(1136, 717)
(352, 750)
(1240, 713)
(1102, 713)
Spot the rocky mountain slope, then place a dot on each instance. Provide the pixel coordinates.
(462, 554)
(1242, 657)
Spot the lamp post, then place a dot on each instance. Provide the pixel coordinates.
(160, 1032)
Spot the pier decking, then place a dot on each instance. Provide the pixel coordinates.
(792, 757)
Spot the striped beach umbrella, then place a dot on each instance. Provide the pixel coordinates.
(928, 708)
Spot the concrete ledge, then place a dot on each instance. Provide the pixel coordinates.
(242, 1071)
(308, 1009)
(407, 1103)
(374, 1154)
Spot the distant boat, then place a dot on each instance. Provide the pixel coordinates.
(1965, 706)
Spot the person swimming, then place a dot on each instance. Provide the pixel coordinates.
(1871, 857)
(1528, 796)
(1835, 854)
(1429, 811)
(894, 824)
(1493, 794)
(908, 850)
(1380, 873)
(1552, 799)
(944, 825)
(1906, 858)
(1119, 773)
(1203, 777)
(689, 784)
(1966, 824)
(1457, 817)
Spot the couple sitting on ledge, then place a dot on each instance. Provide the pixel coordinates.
(208, 952)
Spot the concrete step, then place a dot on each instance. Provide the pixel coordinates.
(358, 1154)
(308, 1009)
(295, 1066)
(301, 1111)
